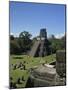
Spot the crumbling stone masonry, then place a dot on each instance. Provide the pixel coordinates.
(46, 75)
(61, 63)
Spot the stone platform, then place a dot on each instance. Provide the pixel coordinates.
(46, 75)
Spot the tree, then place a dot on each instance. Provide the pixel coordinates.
(64, 41)
(25, 41)
(14, 47)
(25, 35)
(11, 37)
(57, 44)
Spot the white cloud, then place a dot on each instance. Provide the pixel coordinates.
(11, 34)
(58, 36)
(14, 34)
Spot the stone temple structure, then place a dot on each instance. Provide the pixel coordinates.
(46, 75)
(41, 45)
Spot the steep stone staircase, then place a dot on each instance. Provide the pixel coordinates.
(34, 48)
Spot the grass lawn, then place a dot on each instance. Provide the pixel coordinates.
(18, 71)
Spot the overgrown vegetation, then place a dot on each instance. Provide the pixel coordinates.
(57, 44)
(23, 43)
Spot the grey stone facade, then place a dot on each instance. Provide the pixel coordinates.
(41, 45)
(61, 63)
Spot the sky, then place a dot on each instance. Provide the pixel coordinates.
(32, 17)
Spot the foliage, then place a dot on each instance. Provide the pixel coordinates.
(57, 44)
(21, 44)
(14, 47)
(24, 41)
(11, 37)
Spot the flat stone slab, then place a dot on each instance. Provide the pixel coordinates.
(45, 69)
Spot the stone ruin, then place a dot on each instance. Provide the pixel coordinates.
(41, 45)
(47, 75)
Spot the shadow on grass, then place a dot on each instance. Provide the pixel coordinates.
(17, 57)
